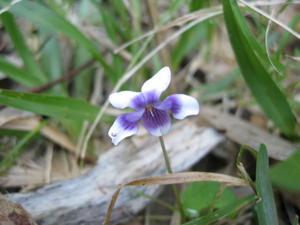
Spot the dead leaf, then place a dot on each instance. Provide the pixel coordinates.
(12, 213)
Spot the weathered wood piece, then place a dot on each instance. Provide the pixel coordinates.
(244, 133)
(84, 200)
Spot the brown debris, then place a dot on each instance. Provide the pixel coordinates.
(12, 213)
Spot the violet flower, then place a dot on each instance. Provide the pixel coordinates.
(153, 113)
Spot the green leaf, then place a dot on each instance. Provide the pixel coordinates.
(55, 106)
(265, 207)
(10, 158)
(258, 79)
(287, 173)
(17, 74)
(222, 212)
(28, 58)
(12, 132)
(47, 18)
(200, 196)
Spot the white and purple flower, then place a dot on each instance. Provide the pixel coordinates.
(153, 113)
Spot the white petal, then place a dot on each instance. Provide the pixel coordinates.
(188, 106)
(181, 105)
(123, 99)
(159, 82)
(124, 126)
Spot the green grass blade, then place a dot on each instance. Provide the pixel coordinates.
(265, 207)
(286, 37)
(17, 38)
(52, 62)
(225, 211)
(191, 39)
(83, 81)
(49, 19)
(258, 79)
(290, 167)
(12, 132)
(55, 106)
(10, 158)
(17, 74)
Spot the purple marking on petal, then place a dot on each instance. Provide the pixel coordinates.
(151, 97)
(139, 102)
(170, 103)
(128, 120)
(181, 105)
(156, 121)
(144, 99)
(124, 126)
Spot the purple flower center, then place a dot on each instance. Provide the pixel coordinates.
(154, 118)
(145, 100)
(149, 109)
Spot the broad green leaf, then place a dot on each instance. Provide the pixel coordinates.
(258, 79)
(287, 173)
(222, 212)
(28, 58)
(265, 207)
(11, 156)
(17, 74)
(55, 106)
(47, 18)
(200, 197)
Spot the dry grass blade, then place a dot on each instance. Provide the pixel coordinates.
(9, 114)
(111, 206)
(11, 4)
(177, 22)
(175, 178)
(291, 31)
(30, 122)
(186, 177)
(191, 16)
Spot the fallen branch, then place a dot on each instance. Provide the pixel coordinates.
(244, 133)
(84, 200)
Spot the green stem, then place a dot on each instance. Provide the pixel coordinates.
(165, 153)
(169, 169)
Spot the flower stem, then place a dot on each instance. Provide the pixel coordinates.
(166, 157)
(169, 169)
